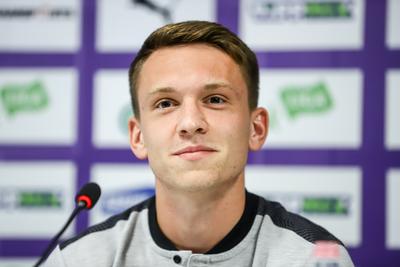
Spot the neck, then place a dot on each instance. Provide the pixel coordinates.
(197, 221)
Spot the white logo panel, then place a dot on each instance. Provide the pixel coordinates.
(122, 186)
(39, 194)
(392, 106)
(393, 209)
(312, 108)
(328, 196)
(112, 109)
(392, 24)
(40, 25)
(38, 106)
(302, 24)
(17, 262)
(137, 19)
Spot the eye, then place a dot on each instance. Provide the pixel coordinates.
(165, 103)
(216, 100)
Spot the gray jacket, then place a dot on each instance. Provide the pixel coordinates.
(266, 235)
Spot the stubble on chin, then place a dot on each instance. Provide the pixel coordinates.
(196, 180)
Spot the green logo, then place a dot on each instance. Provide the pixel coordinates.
(302, 10)
(124, 115)
(313, 99)
(325, 205)
(329, 9)
(308, 204)
(23, 97)
(44, 199)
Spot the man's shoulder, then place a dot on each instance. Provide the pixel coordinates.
(299, 239)
(296, 223)
(109, 224)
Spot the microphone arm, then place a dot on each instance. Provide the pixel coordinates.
(53, 243)
(85, 199)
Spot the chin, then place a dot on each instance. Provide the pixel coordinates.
(194, 181)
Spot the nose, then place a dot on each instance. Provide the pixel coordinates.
(191, 120)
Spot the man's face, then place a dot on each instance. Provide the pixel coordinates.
(195, 125)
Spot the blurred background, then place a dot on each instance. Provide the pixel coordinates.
(330, 78)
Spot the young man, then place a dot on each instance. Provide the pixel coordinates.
(194, 88)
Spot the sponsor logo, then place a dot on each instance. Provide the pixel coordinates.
(313, 99)
(314, 204)
(152, 5)
(325, 205)
(301, 10)
(12, 199)
(24, 97)
(302, 100)
(119, 200)
(124, 115)
(43, 11)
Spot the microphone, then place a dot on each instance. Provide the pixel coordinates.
(85, 199)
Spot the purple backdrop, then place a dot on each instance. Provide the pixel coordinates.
(372, 157)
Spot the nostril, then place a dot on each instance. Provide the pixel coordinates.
(200, 130)
(189, 132)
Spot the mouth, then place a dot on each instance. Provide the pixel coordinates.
(194, 152)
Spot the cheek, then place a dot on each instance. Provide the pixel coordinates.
(156, 134)
(235, 128)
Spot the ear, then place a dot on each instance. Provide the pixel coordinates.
(136, 138)
(258, 128)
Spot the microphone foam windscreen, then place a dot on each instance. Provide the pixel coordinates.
(91, 191)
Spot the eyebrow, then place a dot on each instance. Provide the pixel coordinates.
(162, 90)
(213, 86)
(207, 87)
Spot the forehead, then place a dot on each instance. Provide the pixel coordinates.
(188, 64)
(190, 54)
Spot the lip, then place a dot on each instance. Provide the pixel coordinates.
(194, 152)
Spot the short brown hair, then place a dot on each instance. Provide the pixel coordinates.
(194, 32)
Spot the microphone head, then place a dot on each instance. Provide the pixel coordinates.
(88, 195)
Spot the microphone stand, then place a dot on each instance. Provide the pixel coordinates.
(81, 206)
